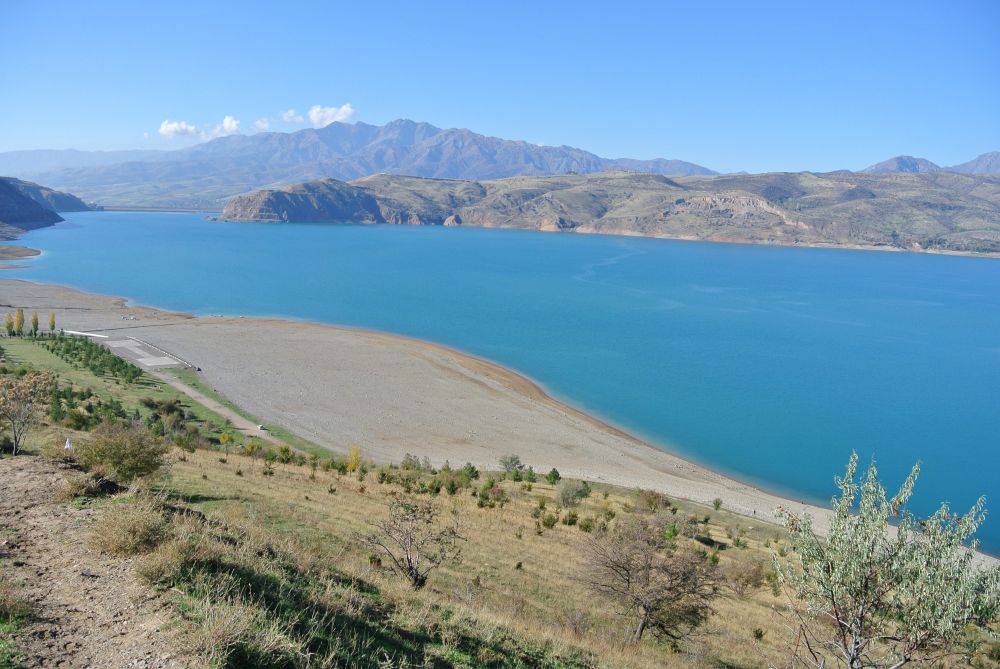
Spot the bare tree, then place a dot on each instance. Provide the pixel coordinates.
(21, 399)
(415, 540)
(662, 587)
(872, 598)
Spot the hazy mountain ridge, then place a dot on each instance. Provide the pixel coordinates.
(207, 174)
(987, 163)
(934, 211)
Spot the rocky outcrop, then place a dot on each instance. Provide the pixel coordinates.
(327, 200)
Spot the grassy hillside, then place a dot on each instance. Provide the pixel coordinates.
(261, 557)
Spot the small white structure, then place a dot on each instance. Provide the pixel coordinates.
(69, 445)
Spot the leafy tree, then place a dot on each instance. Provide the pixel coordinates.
(656, 584)
(511, 464)
(414, 539)
(52, 322)
(34, 323)
(553, 476)
(225, 440)
(9, 324)
(880, 598)
(19, 322)
(354, 459)
(252, 449)
(21, 401)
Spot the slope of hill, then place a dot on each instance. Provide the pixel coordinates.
(938, 211)
(19, 213)
(47, 197)
(207, 174)
(988, 163)
(902, 164)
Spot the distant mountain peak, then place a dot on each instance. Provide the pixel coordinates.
(907, 164)
(987, 163)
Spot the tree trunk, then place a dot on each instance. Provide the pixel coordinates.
(637, 636)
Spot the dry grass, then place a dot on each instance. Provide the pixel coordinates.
(514, 578)
(132, 524)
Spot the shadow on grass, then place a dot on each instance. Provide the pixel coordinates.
(350, 624)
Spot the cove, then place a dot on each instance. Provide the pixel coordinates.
(768, 364)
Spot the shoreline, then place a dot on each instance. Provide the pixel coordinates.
(634, 462)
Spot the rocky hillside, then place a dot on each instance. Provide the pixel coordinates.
(47, 197)
(19, 213)
(207, 174)
(937, 211)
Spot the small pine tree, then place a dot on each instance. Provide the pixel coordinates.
(553, 476)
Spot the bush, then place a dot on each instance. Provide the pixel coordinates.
(570, 493)
(549, 520)
(587, 524)
(136, 526)
(570, 518)
(717, 503)
(127, 453)
(553, 476)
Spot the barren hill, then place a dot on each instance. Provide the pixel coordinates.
(937, 211)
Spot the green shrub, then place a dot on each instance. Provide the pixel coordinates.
(553, 476)
(126, 453)
(549, 520)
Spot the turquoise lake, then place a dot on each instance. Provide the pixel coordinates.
(770, 364)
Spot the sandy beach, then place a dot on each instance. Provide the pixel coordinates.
(393, 395)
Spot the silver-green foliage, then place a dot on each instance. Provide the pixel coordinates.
(882, 597)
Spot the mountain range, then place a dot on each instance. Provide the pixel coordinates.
(933, 211)
(207, 174)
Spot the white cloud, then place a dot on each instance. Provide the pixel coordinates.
(291, 117)
(262, 124)
(324, 116)
(178, 129)
(229, 126)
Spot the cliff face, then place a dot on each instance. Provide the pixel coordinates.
(935, 211)
(19, 213)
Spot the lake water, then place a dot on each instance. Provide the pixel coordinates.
(769, 364)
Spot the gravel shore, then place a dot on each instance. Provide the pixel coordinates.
(392, 395)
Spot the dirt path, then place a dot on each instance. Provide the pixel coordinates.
(240, 423)
(89, 610)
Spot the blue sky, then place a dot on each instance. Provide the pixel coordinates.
(754, 86)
